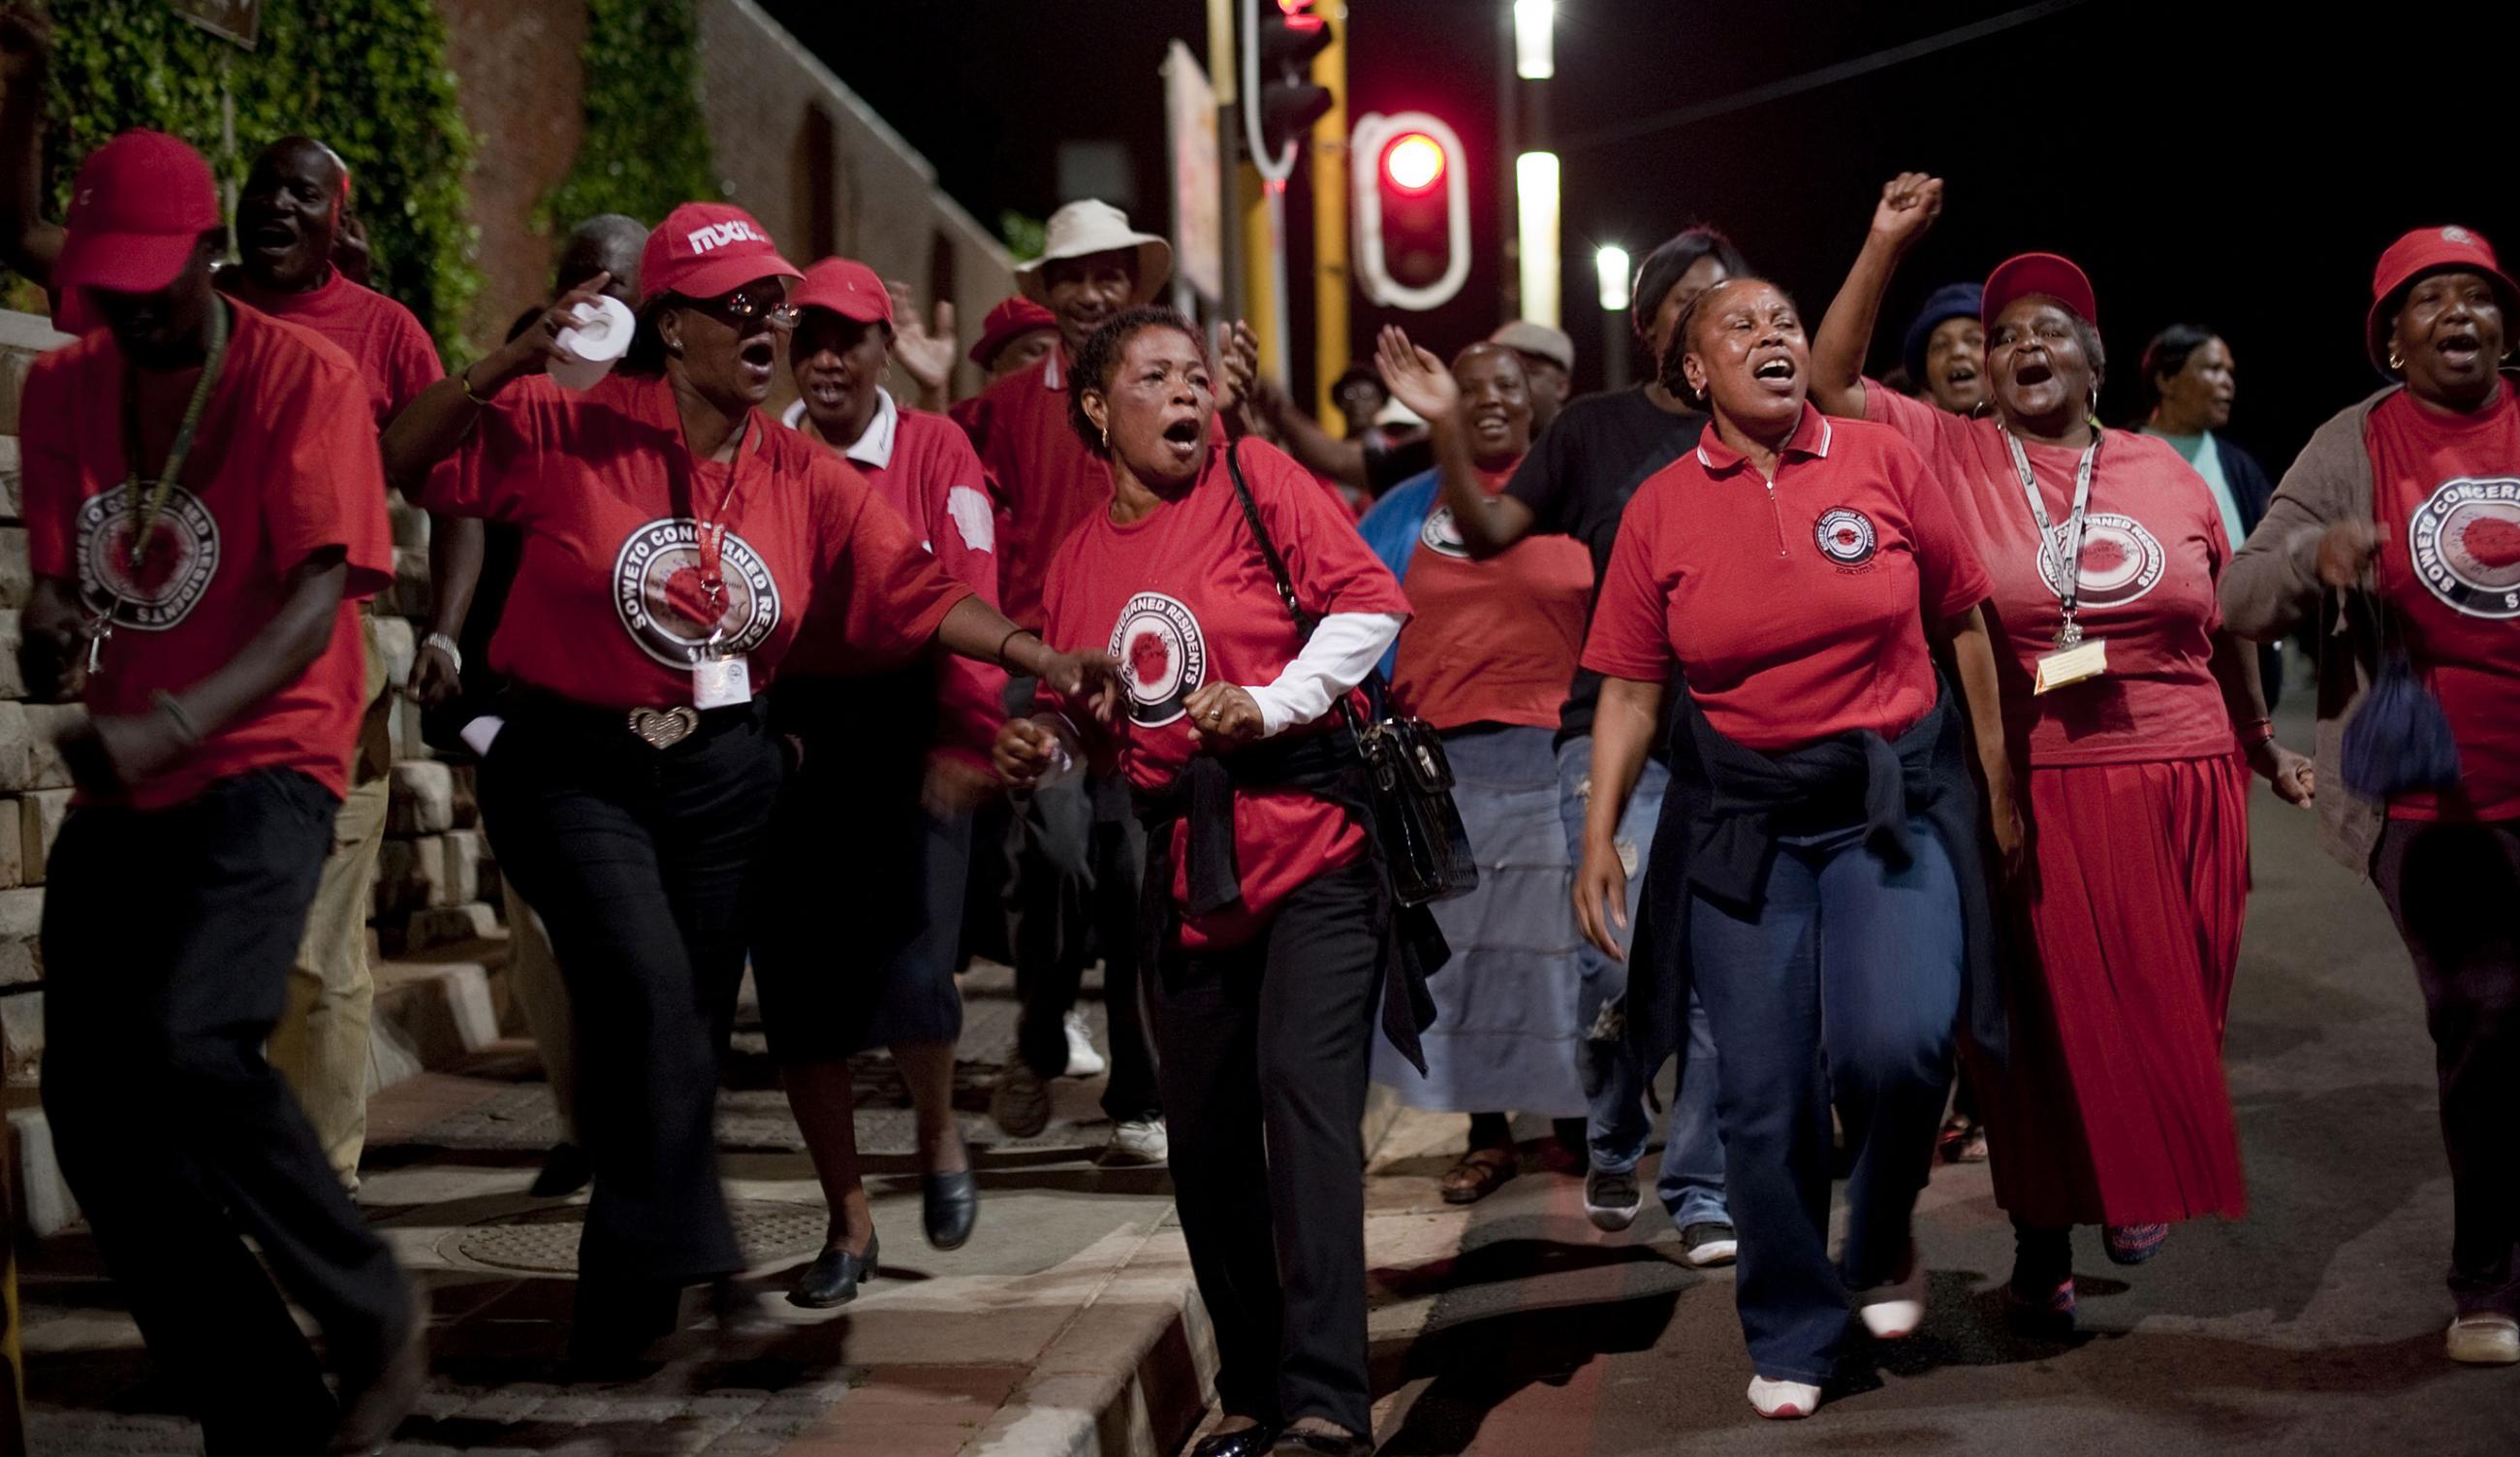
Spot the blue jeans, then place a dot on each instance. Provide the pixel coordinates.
(1846, 986)
(1692, 1183)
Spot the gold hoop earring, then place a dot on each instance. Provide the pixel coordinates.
(2394, 362)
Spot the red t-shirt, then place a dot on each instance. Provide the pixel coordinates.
(607, 608)
(1492, 641)
(393, 353)
(923, 468)
(1795, 607)
(1182, 598)
(2154, 547)
(1046, 477)
(284, 465)
(2448, 491)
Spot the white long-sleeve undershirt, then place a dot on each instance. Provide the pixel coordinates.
(1344, 648)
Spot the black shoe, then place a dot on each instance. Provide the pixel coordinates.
(1250, 1441)
(948, 1205)
(565, 1171)
(1294, 1442)
(832, 1278)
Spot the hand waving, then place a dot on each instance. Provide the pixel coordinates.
(1416, 376)
(926, 351)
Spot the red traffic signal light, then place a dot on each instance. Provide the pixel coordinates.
(1414, 161)
(1281, 38)
(1411, 197)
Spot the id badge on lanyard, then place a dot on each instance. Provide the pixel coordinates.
(720, 679)
(2077, 658)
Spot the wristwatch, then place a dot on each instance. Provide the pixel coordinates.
(446, 645)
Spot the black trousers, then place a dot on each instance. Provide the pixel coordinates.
(1264, 1062)
(1078, 856)
(638, 860)
(2451, 889)
(168, 936)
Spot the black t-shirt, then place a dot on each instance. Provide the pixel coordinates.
(1577, 481)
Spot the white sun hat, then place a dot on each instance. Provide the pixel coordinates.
(1091, 227)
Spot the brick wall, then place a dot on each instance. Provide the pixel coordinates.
(517, 72)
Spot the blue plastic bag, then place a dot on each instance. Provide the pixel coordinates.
(2398, 741)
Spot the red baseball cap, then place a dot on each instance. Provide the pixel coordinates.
(846, 287)
(1009, 321)
(2452, 249)
(2050, 274)
(701, 249)
(144, 201)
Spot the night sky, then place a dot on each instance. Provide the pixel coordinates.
(2240, 165)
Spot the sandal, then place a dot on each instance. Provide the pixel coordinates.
(1479, 1173)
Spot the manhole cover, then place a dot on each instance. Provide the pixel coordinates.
(545, 1240)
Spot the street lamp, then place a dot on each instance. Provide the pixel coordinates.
(1535, 175)
(1610, 262)
(1535, 43)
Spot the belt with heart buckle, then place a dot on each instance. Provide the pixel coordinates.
(663, 728)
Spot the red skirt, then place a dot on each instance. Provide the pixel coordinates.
(2115, 1109)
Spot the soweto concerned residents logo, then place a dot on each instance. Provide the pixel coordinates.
(1845, 535)
(2121, 560)
(174, 570)
(1163, 657)
(1439, 534)
(656, 589)
(2465, 542)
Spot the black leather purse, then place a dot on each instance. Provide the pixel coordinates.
(1425, 850)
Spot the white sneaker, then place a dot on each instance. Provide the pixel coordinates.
(1783, 1399)
(2485, 1341)
(1893, 1311)
(1138, 1141)
(1082, 1059)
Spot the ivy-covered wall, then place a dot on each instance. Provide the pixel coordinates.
(645, 146)
(367, 77)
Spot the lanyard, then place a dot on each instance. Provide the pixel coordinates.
(2070, 551)
(708, 536)
(146, 510)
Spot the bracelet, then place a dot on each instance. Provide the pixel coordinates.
(464, 379)
(446, 645)
(1011, 635)
(2255, 732)
(185, 728)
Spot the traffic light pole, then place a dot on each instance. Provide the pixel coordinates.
(1330, 230)
(1224, 68)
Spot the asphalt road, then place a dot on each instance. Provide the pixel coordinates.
(2314, 1325)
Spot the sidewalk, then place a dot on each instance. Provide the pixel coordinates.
(1067, 1324)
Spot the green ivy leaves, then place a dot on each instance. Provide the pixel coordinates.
(645, 146)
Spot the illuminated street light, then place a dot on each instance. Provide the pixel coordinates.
(1612, 261)
(1535, 175)
(1534, 45)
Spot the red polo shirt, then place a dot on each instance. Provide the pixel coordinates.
(1046, 477)
(284, 465)
(2448, 491)
(607, 608)
(1795, 607)
(1182, 598)
(2152, 549)
(923, 468)
(395, 354)
(1492, 641)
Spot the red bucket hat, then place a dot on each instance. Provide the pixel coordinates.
(2452, 249)
(1009, 321)
(701, 249)
(2051, 274)
(846, 287)
(144, 201)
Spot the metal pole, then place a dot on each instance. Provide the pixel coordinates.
(1331, 225)
(1223, 70)
(1509, 147)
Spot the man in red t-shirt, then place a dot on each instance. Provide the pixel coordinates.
(1077, 850)
(204, 509)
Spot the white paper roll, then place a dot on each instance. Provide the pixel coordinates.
(596, 342)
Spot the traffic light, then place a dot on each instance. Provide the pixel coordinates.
(1282, 103)
(1412, 210)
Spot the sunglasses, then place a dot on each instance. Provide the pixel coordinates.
(746, 305)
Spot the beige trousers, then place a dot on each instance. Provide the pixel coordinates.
(321, 1043)
(533, 980)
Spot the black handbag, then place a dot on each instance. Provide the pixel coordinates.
(1425, 850)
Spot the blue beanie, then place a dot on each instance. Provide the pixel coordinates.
(1950, 302)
